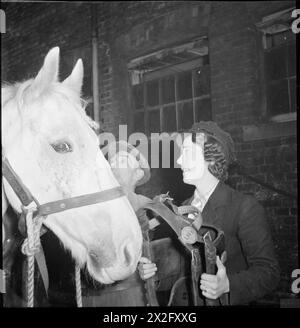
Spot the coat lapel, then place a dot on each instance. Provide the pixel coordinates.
(215, 208)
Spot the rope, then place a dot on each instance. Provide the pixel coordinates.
(30, 281)
(78, 286)
(30, 246)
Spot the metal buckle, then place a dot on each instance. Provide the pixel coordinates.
(31, 208)
(189, 235)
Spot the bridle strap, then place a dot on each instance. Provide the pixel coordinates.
(16, 183)
(26, 197)
(79, 201)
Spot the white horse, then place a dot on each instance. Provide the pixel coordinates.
(49, 142)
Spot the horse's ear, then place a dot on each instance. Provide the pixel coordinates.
(75, 79)
(47, 74)
(5, 95)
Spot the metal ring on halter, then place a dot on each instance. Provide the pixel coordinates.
(189, 235)
(31, 208)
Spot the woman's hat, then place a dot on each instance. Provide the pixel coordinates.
(213, 130)
(114, 148)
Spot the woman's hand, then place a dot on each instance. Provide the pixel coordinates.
(146, 268)
(214, 286)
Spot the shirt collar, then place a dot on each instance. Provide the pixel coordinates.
(199, 201)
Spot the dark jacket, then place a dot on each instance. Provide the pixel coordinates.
(251, 265)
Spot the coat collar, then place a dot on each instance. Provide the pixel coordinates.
(212, 213)
(220, 196)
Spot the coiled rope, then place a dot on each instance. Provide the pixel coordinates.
(30, 247)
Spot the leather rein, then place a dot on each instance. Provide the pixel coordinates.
(30, 205)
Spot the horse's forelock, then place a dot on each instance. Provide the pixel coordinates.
(22, 94)
(15, 92)
(77, 101)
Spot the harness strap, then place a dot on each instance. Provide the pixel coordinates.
(176, 222)
(79, 201)
(189, 234)
(196, 268)
(186, 233)
(210, 262)
(15, 182)
(41, 262)
(26, 197)
(34, 215)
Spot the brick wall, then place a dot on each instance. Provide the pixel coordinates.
(34, 28)
(130, 29)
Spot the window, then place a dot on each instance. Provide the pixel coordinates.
(279, 44)
(173, 92)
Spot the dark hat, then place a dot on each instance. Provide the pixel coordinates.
(115, 147)
(213, 130)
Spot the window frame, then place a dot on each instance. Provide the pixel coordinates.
(159, 75)
(271, 25)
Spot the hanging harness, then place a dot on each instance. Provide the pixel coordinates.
(202, 241)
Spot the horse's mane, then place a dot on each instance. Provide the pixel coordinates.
(19, 91)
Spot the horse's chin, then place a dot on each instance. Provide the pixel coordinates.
(109, 275)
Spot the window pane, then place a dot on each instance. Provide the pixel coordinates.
(278, 98)
(268, 41)
(169, 119)
(283, 37)
(275, 63)
(168, 90)
(152, 93)
(185, 112)
(153, 121)
(293, 95)
(184, 86)
(201, 81)
(205, 60)
(139, 125)
(292, 59)
(203, 110)
(138, 96)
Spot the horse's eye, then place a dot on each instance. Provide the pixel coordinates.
(62, 147)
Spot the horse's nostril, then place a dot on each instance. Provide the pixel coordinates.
(95, 258)
(101, 259)
(127, 255)
(94, 255)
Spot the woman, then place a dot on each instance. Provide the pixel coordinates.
(251, 269)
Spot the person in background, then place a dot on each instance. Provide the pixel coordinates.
(131, 169)
(251, 270)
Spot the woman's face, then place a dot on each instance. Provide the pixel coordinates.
(125, 167)
(191, 160)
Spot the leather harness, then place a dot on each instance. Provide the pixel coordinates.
(192, 234)
(43, 210)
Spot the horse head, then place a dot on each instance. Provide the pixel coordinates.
(50, 143)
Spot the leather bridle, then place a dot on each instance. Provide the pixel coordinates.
(32, 209)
